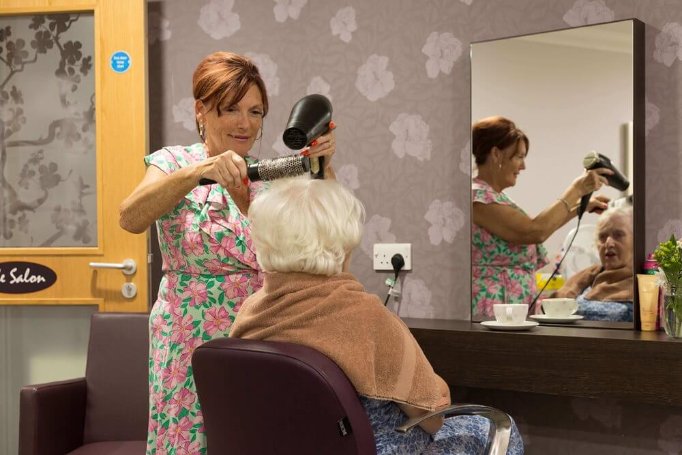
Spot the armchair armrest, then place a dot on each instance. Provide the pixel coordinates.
(500, 424)
(52, 417)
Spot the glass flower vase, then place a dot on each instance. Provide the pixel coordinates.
(672, 313)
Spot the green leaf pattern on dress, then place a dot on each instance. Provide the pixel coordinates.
(209, 269)
(502, 272)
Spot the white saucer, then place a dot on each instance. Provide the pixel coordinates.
(494, 325)
(556, 319)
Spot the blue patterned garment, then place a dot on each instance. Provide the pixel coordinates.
(597, 310)
(460, 435)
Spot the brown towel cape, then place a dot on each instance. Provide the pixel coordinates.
(607, 285)
(336, 316)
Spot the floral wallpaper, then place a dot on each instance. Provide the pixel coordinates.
(397, 73)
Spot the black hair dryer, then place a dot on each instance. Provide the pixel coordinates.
(309, 119)
(594, 160)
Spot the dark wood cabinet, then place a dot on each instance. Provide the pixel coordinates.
(576, 361)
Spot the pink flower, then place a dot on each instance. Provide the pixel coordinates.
(153, 425)
(174, 302)
(476, 255)
(514, 289)
(475, 288)
(160, 440)
(189, 448)
(158, 358)
(224, 247)
(485, 307)
(179, 432)
(183, 398)
(158, 324)
(174, 374)
(182, 330)
(216, 319)
(193, 243)
(196, 291)
(235, 285)
(172, 280)
(185, 219)
(176, 262)
(192, 343)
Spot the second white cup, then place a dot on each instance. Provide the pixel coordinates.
(559, 307)
(508, 313)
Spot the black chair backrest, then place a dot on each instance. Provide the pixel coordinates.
(270, 397)
(117, 377)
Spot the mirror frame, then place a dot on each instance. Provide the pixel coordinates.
(638, 161)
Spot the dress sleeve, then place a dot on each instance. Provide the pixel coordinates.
(486, 195)
(165, 159)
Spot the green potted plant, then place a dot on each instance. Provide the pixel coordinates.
(668, 255)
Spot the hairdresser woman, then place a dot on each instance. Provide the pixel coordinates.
(506, 242)
(205, 240)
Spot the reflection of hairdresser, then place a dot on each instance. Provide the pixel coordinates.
(611, 281)
(304, 231)
(506, 242)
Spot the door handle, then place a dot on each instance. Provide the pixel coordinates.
(128, 266)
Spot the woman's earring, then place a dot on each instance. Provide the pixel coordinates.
(202, 132)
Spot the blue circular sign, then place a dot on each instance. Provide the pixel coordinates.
(120, 61)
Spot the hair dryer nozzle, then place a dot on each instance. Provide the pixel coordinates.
(594, 160)
(309, 119)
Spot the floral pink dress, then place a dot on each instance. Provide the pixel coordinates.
(502, 272)
(209, 268)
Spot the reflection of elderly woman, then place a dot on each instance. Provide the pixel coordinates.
(304, 231)
(605, 291)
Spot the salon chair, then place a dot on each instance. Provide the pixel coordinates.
(281, 398)
(104, 413)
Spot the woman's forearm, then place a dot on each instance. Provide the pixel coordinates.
(156, 195)
(514, 226)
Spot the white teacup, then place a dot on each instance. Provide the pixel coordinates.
(510, 313)
(559, 307)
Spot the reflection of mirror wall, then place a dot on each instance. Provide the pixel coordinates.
(571, 91)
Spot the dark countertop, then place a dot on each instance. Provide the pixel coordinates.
(573, 360)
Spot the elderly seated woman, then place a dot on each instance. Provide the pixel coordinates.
(605, 291)
(304, 231)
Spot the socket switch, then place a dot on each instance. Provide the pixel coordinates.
(383, 252)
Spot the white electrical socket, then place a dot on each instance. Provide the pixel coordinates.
(383, 252)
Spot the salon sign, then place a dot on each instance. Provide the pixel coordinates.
(25, 277)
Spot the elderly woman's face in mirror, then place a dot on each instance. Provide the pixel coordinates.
(571, 92)
(614, 242)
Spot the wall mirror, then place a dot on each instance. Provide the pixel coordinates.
(571, 92)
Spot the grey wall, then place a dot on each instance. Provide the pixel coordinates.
(397, 72)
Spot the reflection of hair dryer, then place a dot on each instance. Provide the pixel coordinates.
(272, 169)
(309, 119)
(594, 160)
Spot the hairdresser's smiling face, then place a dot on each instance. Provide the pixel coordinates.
(513, 162)
(614, 242)
(236, 128)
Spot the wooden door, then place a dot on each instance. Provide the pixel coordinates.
(51, 257)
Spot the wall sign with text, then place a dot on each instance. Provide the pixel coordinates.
(25, 277)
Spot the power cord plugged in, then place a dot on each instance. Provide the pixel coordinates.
(398, 262)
